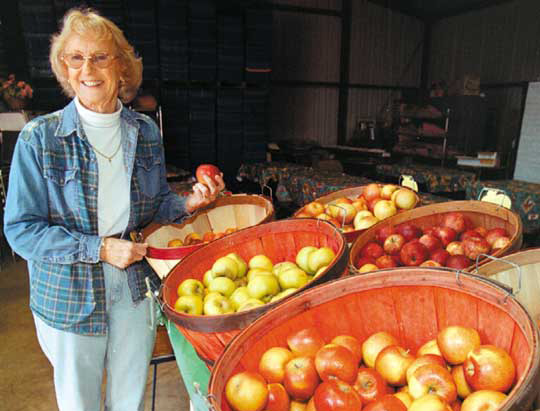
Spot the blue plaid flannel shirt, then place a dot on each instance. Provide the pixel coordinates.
(51, 214)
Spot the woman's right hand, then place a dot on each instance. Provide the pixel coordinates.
(121, 253)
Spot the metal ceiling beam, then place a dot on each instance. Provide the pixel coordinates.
(402, 6)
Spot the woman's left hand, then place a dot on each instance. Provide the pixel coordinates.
(204, 194)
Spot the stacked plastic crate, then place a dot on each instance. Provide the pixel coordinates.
(202, 37)
(229, 130)
(173, 39)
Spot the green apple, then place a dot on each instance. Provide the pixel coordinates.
(263, 287)
(319, 258)
(223, 285)
(208, 276)
(225, 267)
(249, 304)
(257, 271)
(210, 295)
(302, 257)
(319, 271)
(239, 296)
(218, 306)
(241, 282)
(261, 261)
(242, 266)
(293, 278)
(285, 265)
(283, 294)
(191, 286)
(189, 304)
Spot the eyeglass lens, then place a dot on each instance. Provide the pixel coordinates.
(101, 60)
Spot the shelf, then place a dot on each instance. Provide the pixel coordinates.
(426, 135)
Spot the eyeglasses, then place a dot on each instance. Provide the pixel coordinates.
(76, 60)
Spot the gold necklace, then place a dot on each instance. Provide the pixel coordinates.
(105, 156)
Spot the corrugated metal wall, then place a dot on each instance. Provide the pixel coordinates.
(306, 47)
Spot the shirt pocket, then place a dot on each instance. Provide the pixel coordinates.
(64, 188)
(148, 175)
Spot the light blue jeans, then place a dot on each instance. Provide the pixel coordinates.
(125, 353)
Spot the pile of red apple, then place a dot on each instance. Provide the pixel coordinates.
(450, 373)
(455, 243)
(375, 203)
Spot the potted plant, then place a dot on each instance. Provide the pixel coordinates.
(16, 93)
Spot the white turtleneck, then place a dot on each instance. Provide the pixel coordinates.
(104, 134)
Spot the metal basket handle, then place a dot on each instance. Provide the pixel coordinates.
(263, 186)
(506, 287)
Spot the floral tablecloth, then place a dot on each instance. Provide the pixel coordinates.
(301, 184)
(525, 199)
(435, 179)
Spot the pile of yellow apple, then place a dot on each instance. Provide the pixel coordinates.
(195, 238)
(233, 285)
(375, 203)
(453, 372)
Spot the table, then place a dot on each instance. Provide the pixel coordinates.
(525, 199)
(434, 179)
(301, 184)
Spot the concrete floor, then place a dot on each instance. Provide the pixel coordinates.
(26, 381)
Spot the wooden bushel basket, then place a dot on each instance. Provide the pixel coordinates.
(351, 193)
(481, 213)
(234, 211)
(279, 241)
(413, 304)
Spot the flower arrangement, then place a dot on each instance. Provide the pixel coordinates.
(15, 90)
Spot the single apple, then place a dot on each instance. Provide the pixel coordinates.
(335, 361)
(303, 255)
(370, 385)
(292, 278)
(384, 209)
(364, 222)
(301, 378)
(455, 248)
(191, 286)
(250, 304)
(284, 265)
(463, 387)
(386, 261)
(208, 236)
(371, 191)
(336, 395)
(209, 170)
(352, 344)
(392, 363)
(314, 208)
(431, 242)
(372, 250)
(240, 263)
(272, 363)
(210, 295)
(387, 190)
(409, 231)
(372, 203)
(387, 403)
(361, 261)
(488, 367)
(374, 344)
(433, 379)
(456, 221)
(405, 199)
(239, 296)
(430, 402)
(445, 234)
(483, 400)
(393, 244)
(473, 247)
(278, 399)
(360, 204)
(218, 306)
(261, 261)
(429, 347)
(456, 341)
(423, 360)
(494, 233)
(382, 234)
(430, 263)
(501, 242)
(440, 256)
(189, 304)
(320, 258)
(192, 239)
(263, 287)
(413, 253)
(366, 268)
(342, 212)
(208, 276)
(223, 285)
(175, 242)
(225, 267)
(246, 391)
(305, 342)
(470, 233)
(459, 262)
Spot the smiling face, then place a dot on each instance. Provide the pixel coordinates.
(96, 88)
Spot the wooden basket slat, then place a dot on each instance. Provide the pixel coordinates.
(271, 248)
(321, 305)
(287, 246)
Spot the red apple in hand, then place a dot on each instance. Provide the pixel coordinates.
(393, 243)
(383, 233)
(431, 242)
(473, 247)
(336, 395)
(456, 221)
(387, 403)
(488, 367)
(413, 253)
(335, 361)
(305, 342)
(439, 256)
(409, 231)
(206, 169)
(246, 391)
(433, 379)
(301, 378)
(278, 399)
(370, 385)
(458, 262)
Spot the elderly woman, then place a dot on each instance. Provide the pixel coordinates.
(82, 178)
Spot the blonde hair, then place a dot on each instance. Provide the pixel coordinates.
(87, 21)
